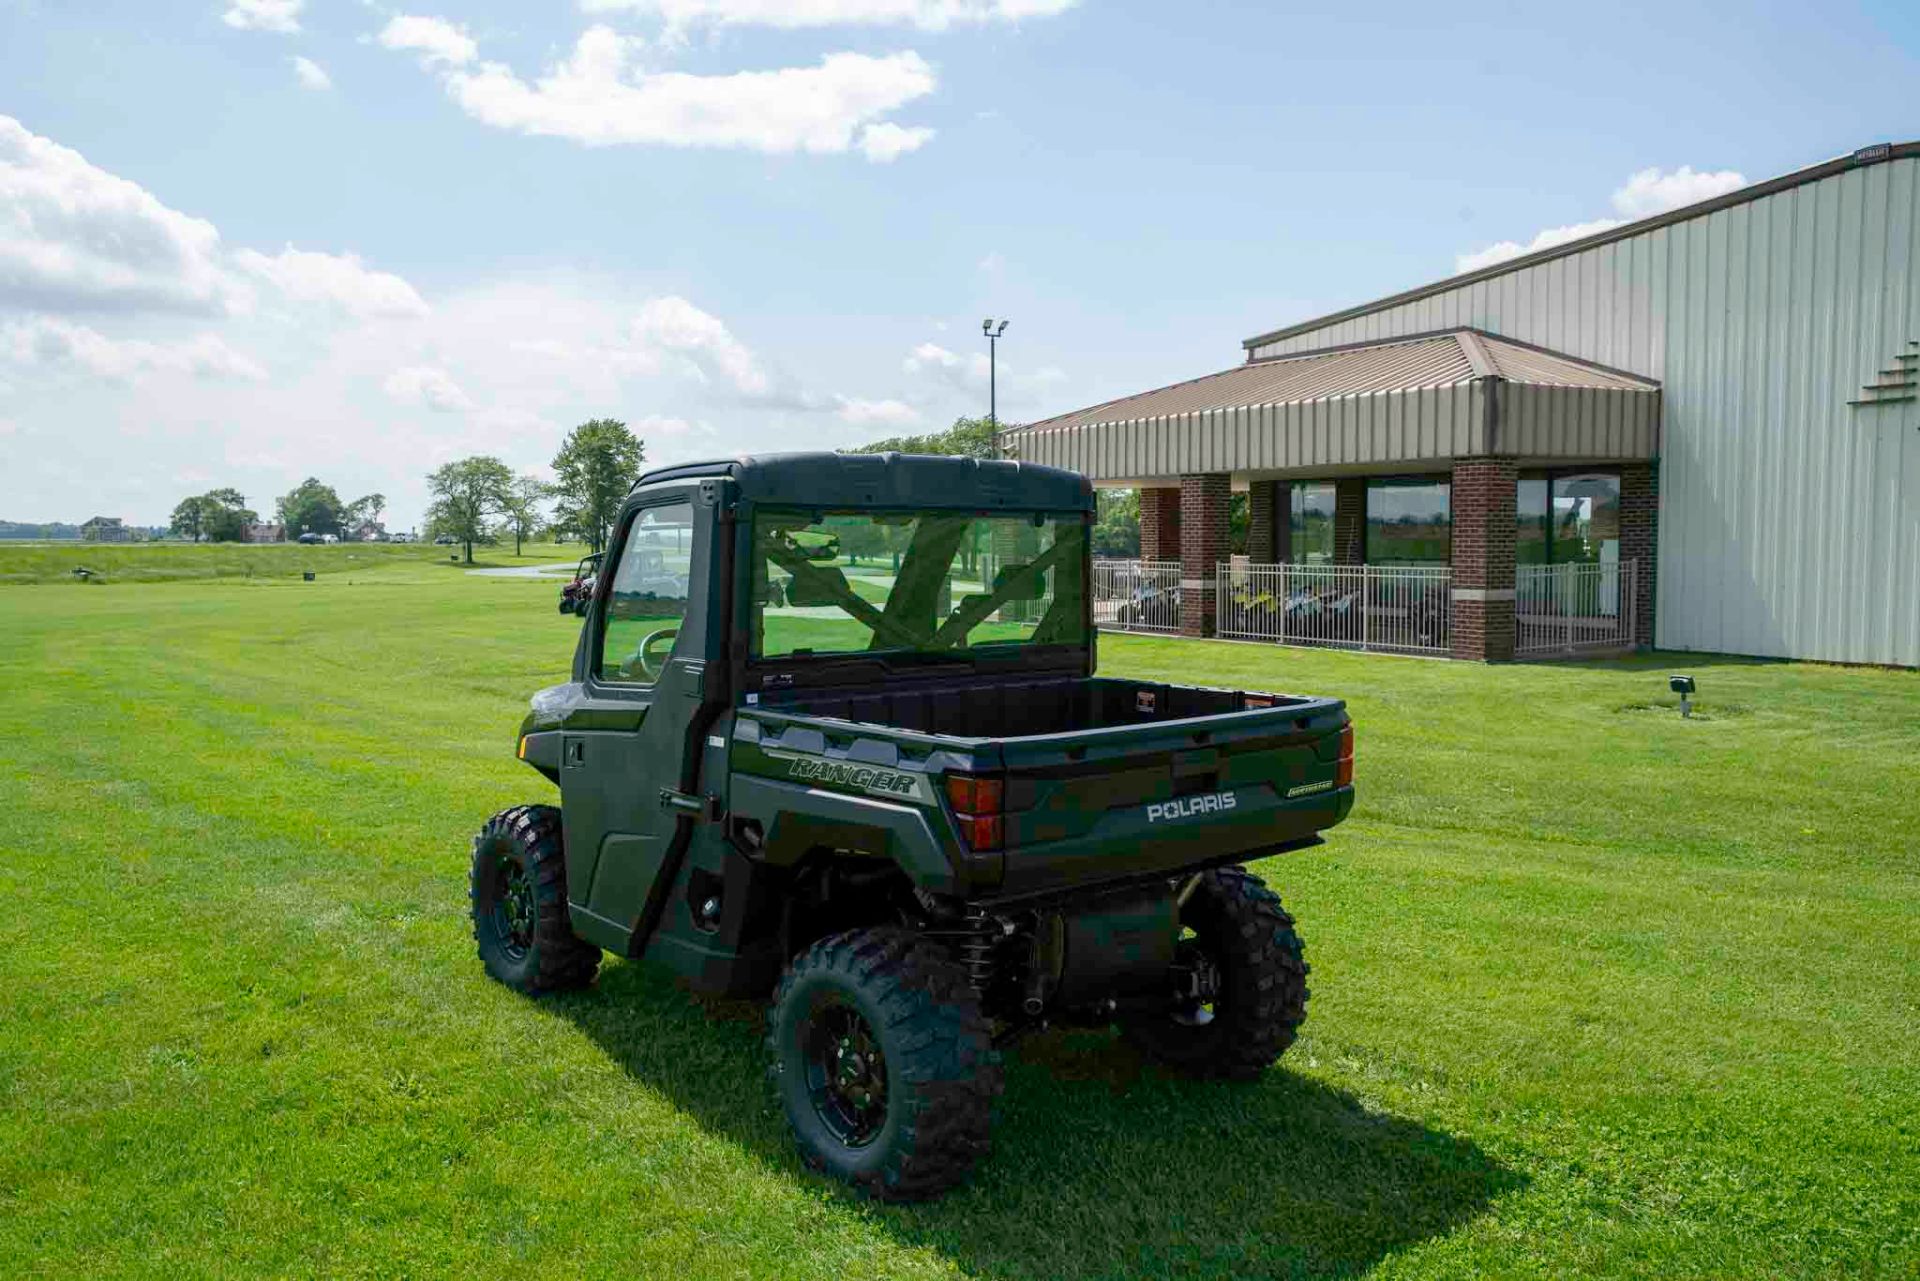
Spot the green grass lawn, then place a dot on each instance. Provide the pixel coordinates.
(1595, 989)
(54, 563)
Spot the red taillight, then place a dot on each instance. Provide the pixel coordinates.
(970, 794)
(976, 804)
(1343, 770)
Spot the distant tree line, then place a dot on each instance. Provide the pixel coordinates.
(478, 499)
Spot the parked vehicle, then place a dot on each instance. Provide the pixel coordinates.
(915, 819)
(309, 539)
(575, 595)
(446, 540)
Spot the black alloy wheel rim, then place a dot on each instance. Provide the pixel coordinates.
(513, 908)
(846, 1073)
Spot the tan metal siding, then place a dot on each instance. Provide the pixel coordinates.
(1790, 521)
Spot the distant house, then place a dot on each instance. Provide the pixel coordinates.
(369, 531)
(106, 529)
(264, 533)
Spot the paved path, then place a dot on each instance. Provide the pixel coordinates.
(525, 571)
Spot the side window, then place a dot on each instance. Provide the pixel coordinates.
(648, 597)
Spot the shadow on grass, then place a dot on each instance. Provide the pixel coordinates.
(1661, 660)
(1101, 1167)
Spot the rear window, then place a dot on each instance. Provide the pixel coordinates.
(905, 583)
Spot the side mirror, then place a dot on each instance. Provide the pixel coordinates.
(1031, 586)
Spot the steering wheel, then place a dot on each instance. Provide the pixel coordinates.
(644, 658)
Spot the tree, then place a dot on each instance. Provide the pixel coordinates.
(523, 506)
(967, 438)
(592, 473)
(225, 515)
(465, 494)
(363, 511)
(190, 518)
(311, 508)
(1116, 523)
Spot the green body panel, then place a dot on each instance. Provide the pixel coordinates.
(688, 803)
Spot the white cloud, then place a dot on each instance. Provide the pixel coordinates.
(1646, 193)
(427, 385)
(600, 96)
(340, 279)
(52, 343)
(1651, 192)
(887, 413)
(1508, 249)
(282, 16)
(707, 350)
(74, 237)
(437, 41)
(962, 372)
(311, 74)
(928, 15)
(887, 141)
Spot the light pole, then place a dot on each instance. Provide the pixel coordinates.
(993, 333)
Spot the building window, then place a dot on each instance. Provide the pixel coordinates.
(1568, 518)
(1310, 522)
(1409, 522)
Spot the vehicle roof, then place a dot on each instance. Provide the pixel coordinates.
(824, 479)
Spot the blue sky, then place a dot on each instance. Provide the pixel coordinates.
(464, 226)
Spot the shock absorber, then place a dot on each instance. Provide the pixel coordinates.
(976, 949)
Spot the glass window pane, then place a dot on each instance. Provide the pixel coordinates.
(1586, 518)
(1531, 526)
(1409, 522)
(648, 598)
(1310, 516)
(908, 583)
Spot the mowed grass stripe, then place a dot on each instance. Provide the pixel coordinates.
(1594, 990)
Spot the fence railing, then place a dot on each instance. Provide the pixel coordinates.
(1404, 609)
(1137, 595)
(1563, 609)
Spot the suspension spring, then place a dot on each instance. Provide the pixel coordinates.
(976, 950)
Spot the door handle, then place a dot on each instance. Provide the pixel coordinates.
(698, 808)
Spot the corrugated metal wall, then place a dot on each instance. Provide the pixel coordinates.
(1789, 520)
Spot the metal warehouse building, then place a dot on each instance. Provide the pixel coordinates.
(1698, 430)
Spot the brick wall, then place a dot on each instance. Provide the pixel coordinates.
(1350, 521)
(1639, 540)
(1160, 523)
(1204, 544)
(1483, 494)
(1267, 521)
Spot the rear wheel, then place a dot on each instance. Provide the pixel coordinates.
(883, 1063)
(517, 887)
(1244, 974)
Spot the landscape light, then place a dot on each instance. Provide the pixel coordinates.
(1683, 686)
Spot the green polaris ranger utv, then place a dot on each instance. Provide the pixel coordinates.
(834, 737)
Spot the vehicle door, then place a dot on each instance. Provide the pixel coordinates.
(643, 682)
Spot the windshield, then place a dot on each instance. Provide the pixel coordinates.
(915, 582)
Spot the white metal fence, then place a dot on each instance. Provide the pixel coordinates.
(1137, 595)
(1405, 609)
(1563, 609)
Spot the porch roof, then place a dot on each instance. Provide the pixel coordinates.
(1421, 400)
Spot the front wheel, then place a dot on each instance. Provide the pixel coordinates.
(1244, 970)
(517, 887)
(883, 1063)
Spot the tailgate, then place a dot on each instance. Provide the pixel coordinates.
(1158, 795)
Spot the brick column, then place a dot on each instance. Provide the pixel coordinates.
(1350, 521)
(1483, 502)
(1159, 522)
(1267, 524)
(1639, 540)
(1204, 543)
